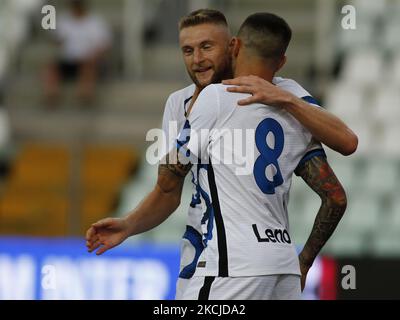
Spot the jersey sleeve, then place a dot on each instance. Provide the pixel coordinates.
(311, 100)
(314, 149)
(169, 127)
(194, 142)
(295, 88)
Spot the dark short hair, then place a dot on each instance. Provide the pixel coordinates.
(203, 16)
(266, 34)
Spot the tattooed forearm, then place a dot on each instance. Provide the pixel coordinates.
(171, 175)
(319, 176)
(176, 168)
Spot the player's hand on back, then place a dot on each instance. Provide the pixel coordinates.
(106, 234)
(261, 90)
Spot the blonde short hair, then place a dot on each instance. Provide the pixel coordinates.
(203, 16)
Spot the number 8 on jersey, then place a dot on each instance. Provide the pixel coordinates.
(268, 156)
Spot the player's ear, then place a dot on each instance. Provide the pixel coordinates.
(231, 45)
(236, 44)
(281, 63)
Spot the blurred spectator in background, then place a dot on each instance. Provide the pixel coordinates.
(83, 39)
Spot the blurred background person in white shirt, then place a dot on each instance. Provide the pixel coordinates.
(83, 39)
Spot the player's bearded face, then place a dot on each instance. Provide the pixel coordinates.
(207, 53)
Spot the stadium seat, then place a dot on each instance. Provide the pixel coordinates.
(393, 69)
(96, 206)
(346, 101)
(23, 6)
(345, 243)
(16, 32)
(394, 213)
(381, 176)
(363, 67)
(387, 236)
(362, 214)
(370, 9)
(354, 234)
(389, 144)
(27, 214)
(385, 105)
(105, 170)
(41, 167)
(361, 37)
(386, 241)
(107, 167)
(345, 170)
(390, 40)
(368, 137)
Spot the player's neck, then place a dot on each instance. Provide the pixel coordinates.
(193, 100)
(255, 67)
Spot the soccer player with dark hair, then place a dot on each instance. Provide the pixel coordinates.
(205, 41)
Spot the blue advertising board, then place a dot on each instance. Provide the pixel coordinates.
(47, 269)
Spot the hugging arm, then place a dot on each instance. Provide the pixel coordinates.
(323, 125)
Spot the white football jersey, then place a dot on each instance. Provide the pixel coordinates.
(247, 157)
(201, 231)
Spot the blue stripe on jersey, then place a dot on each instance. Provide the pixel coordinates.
(310, 155)
(311, 100)
(195, 239)
(198, 240)
(184, 105)
(208, 216)
(184, 138)
(196, 198)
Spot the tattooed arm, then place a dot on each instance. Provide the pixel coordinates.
(162, 201)
(319, 176)
(151, 212)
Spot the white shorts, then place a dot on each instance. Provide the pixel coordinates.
(273, 287)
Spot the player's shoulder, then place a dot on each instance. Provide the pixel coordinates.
(292, 86)
(209, 93)
(213, 89)
(183, 94)
(295, 88)
(221, 90)
(178, 99)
